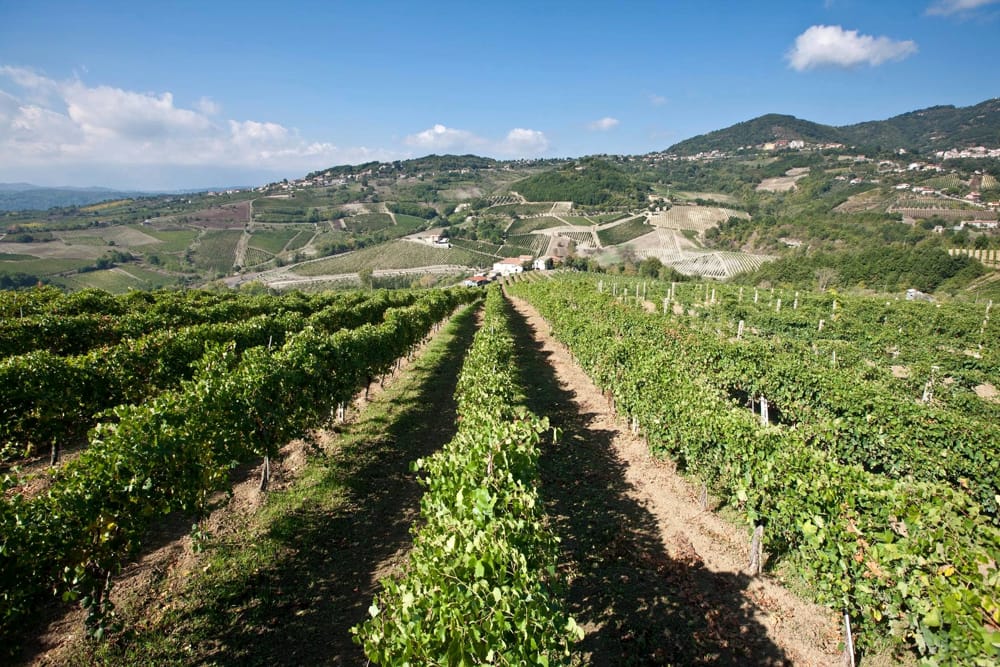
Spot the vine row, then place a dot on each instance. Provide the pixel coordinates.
(914, 559)
(479, 585)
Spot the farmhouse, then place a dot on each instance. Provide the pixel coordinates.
(476, 281)
(511, 265)
(544, 262)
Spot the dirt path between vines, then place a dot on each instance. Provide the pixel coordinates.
(653, 578)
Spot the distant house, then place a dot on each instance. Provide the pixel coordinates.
(476, 281)
(509, 266)
(544, 263)
(917, 295)
(980, 224)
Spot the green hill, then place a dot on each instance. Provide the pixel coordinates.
(586, 182)
(758, 131)
(934, 128)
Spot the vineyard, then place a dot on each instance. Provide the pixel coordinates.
(528, 225)
(989, 257)
(854, 438)
(622, 232)
(880, 492)
(164, 441)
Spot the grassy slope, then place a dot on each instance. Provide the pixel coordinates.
(393, 255)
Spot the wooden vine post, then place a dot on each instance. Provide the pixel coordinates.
(756, 564)
(848, 642)
(929, 387)
(265, 470)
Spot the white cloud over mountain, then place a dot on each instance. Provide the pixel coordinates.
(519, 142)
(48, 124)
(832, 46)
(447, 139)
(57, 130)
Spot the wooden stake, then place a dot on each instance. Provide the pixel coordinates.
(848, 642)
(265, 473)
(757, 551)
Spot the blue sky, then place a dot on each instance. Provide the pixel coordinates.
(194, 94)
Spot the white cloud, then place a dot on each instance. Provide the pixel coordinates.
(831, 45)
(657, 100)
(519, 142)
(603, 124)
(446, 139)
(949, 7)
(208, 106)
(48, 125)
(116, 113)
(29, 79)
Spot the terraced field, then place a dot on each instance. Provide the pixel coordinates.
(533, 244)
(698, 218)
(718, 265)
(395, 255)
(526, 225)
(624, 231)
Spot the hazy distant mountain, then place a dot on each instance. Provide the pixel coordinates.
(28, 197)
(935, 128)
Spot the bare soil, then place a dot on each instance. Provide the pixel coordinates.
(987, 392)
(654, 577)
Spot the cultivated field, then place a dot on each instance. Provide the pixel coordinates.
(784, 183)
(869, 200)
(526, 225)
(402, 254)
(698, 218)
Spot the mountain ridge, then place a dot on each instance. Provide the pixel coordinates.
(933, 128)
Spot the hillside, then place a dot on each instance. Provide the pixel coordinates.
(713, 217)
(934, 128)
(770, 127)
(587, 182)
